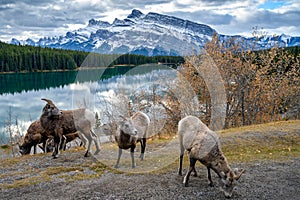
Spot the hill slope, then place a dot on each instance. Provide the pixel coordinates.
(71, 176)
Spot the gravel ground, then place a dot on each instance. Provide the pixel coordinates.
(262, 180)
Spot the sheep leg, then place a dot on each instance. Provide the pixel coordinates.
(180, 157)
(192, 168)
(46, 147)
(42, 146)
(34, 149)
(211, 184)
(180, 165)
(119, 156)
(143, 147)
(57, 141)
(63, 143)
(95, 138)
(195, 172)
(132, 156)
(83, 140)
(89, 136)
(89, 147)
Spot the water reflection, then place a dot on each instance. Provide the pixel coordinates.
(68, 90)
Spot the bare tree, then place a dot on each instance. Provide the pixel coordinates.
(13, 130)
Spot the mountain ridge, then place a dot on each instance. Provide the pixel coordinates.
(146, 34)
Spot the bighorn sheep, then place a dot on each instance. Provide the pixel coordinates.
(57, 122)
(203, 145)
(131, 131)
(35, 135)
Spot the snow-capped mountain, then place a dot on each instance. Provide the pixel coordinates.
(150, 34)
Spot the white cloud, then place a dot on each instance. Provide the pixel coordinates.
(35, 18)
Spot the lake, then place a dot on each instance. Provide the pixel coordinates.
(103, 90)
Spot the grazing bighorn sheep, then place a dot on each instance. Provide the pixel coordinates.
(57, 122)
(35, 135)
(131, 131)
(203, 145)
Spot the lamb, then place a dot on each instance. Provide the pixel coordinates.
(57, 122)
(131, 131)
(70, 137)
(49, 146)
(203, 145)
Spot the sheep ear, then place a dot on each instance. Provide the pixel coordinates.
(48, 101)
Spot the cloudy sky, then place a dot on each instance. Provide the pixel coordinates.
(34, 19)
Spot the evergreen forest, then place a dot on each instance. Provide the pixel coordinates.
(17, 58)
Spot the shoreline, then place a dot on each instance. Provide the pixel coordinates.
(65, 70)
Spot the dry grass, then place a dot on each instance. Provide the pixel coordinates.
(286, 126)
(272, 141)
(39, 168)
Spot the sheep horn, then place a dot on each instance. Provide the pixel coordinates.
(240, 174)
(48, 101)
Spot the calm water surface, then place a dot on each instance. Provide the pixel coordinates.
(20, 94)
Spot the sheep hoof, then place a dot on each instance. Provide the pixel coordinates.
(86, 154)
(185, 184)
(142, 156)
(96, 152)
(55, 156)
(116, 166)
(211, 184)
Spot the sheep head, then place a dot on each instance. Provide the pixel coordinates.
(127, 127)
(50, 110)
(25, 147)
(229, 181)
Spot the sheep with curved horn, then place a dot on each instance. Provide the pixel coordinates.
(56, 122)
